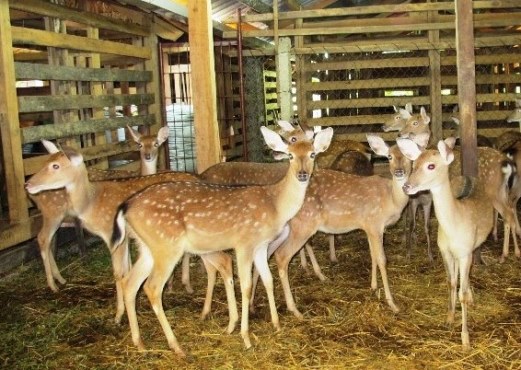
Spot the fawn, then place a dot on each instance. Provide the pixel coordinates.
(200, 218)
(463, 224)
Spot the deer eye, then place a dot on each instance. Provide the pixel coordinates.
(56, 166)
(431, 166)
(390, 157)
(139, 145)
(290, 156)
(156, 144)
(312, 155)
(415, 123)
(293, 139)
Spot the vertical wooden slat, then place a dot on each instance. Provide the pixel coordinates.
(435, 86)
(284, 78)
(203, 69)
(9, 125)
(466, 86)
(301, 77)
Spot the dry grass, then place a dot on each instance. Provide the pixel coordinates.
(346, 325)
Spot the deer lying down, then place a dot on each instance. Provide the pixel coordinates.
(202, 218)
(54, 206)
(463, 224)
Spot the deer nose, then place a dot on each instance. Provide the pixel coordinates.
(406, 188)
(399, 173)
(303, 176)
(148, 156)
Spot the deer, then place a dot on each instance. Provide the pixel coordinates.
(397, 121)
(199, 218)
(93, 203)
(515, 116)
(463, 224)
(54, 206)
(338, 203)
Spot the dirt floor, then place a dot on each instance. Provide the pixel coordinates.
(346, 325)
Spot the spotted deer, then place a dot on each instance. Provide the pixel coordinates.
(397, 121)
(515, 116)
(339, 203)
(463, 224)
(54, 206)
(93, 203)
(200, 218)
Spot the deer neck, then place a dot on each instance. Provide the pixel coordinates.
(445, 205)
(399, 197)
(288, 195)
(80, 191)
(148, 167)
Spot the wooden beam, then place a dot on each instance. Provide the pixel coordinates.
(207, 141)
(86, 18)
(9, 125)
(45, 38)
(466, 86)
(435, 83)
(38, 71)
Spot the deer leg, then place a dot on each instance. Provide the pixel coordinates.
(452, 280)
(261, 265)
(426, 227)
(244, 267)
(153, 287)
(494, 230)
(222, 262)
(130, 284)
(314, 262)
(185, 275)
(303, 260)
(81, 237)
(45, 237)
(465, 297)
(376, 245)
(283, 255)
(121, 266)
(332, 250)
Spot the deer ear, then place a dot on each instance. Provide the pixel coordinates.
(162, 135)
(286, 126)
(424, 115)
(136, 136)
(408, 148)
(408, 107)
(405, 113)
(378, 145)
(422, 139)
(447, 155)
(75, 157)
(450, 141)
(396, 110)
(322, 140)
(273, 140)
(50, 146)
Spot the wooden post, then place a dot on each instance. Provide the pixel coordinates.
(11, 140)
(207, 142)
(435, 88)
(466, 86)
(284, 79)
(301, 77)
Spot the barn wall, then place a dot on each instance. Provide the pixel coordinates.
(352, 63)
(84, 71)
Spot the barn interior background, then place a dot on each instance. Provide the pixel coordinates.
(79, 71)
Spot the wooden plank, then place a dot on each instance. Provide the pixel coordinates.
(34, 164)
(435, 83)
(362, 103)
(20, 232)
(9, 125)
(369, 64)
(64, 73)
(377, 9)
(48, 103)
(377, 83)
(204, 101)
(30, 36)
(82, 17)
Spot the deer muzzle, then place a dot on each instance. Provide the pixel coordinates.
(303, 176)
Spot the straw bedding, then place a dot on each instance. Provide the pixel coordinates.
(346, 325)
